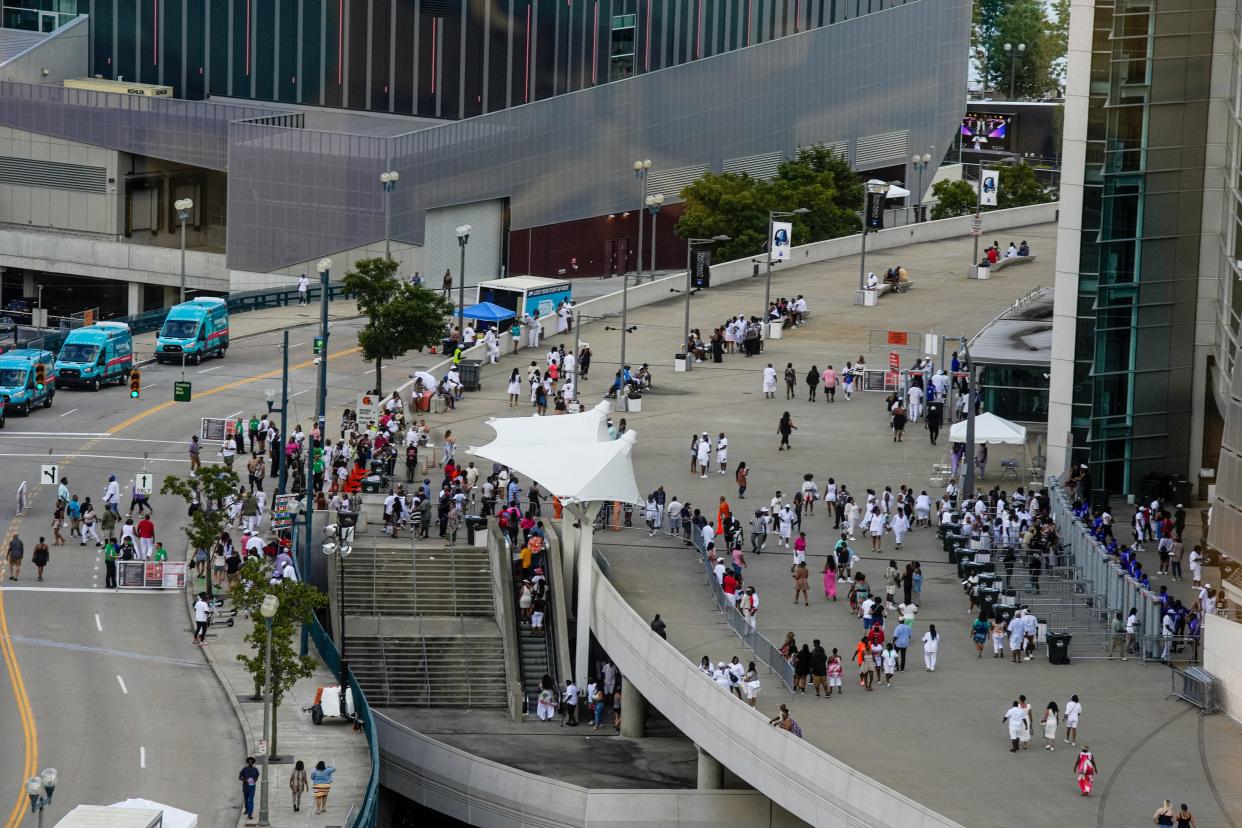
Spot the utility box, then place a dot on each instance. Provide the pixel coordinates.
(116, 87)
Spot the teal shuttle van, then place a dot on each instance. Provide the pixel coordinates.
(194, 330)
(20, 374)
(99, 354)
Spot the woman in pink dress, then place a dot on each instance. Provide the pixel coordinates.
(830, 580)
(1085, 767)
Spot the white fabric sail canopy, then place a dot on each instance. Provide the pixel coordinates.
(990, 429)
(570, 455)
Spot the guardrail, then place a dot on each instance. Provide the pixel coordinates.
(366, 813)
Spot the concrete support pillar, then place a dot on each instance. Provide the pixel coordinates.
(28, 284)
(711, 772)
(633, 712)
(134, 298)
(172, 295)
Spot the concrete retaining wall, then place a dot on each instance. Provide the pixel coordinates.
(1222, 657)
(792, 772)
(485, 793)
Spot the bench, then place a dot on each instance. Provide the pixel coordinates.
(1001, 264)
(887, 287)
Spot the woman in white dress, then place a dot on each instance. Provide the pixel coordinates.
(769, 382)
(1073, 709)
(922, 509)
(515, 388)
(751, 684)
(931, 644)
(900, 525)
(730, 336)
(562, 318)
(875, 524)
(1049, 721)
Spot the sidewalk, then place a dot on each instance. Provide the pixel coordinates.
(336, 743)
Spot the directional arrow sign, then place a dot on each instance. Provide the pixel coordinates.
(144, 482)
(50, 475)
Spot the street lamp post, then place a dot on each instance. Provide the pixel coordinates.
(920, 163)
(1013, 64)
(875, 188)
(685, 336)
(283, 411)
(325, 271)
(40, 789)
(389, 181)
(654, 203)
(767, 289)
(641, 169)
(340, 545)
(183, 207)
(267, 609)
(968, 487)
(463, 238)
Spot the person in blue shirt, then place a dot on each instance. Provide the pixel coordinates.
(249, 777)
(901, 640)
(321, 782)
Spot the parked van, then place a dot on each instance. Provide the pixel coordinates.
(18, 370)
(96, 355)
(198, 329)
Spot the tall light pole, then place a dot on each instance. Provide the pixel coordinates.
(767, 290)
(920, 163)
(267, 609)
(977, 229)
(339, 544)
(875, 189)
(389, 181)
(1013, 64)
(183, 207)
(463, 238)
(325, 270)
(641, 168)
(685, 336)
(654, 203)
(40, 789)
(283, 411)
(968, 487)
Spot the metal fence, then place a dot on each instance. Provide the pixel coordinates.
(365, 814)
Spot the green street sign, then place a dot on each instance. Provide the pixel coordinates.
(319, 346)
(181, 392)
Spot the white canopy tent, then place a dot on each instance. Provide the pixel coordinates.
(572, 456)
(990, 429)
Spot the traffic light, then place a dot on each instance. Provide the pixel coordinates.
(40, 376)
(135, 384)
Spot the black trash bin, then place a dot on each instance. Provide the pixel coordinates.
(988, 598)
(470, 374)
(1058, 647)
(475, 524)
(989, 580)
(967, 567)
(1004, 612)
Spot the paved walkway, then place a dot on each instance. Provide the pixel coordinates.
(1148, 748)
(336, 743)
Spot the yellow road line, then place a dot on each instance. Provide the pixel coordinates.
(9, 656)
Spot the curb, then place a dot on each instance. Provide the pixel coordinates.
(243, 726)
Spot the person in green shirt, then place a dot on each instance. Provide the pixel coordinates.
(110, 556)
(254, 433)
(160, 553)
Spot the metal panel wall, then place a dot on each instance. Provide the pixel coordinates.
(570, 156)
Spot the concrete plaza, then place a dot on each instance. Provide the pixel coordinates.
(934, 736)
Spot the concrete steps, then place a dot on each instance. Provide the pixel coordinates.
(433, 671)
(388, 578)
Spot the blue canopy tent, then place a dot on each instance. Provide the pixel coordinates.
(488, 312)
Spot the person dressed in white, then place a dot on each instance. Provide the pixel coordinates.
(931, 644)
(722, 452)
(915, 397)
(303, 289)
(785, 518)
(562, 318)
(704, 452)
(493, 346)
(750, 606)
(900, 525)
(873, 281)
(1073, 709)
(533, 331)
(769, 382)
(852, 511)
(875, 525)
(1015, 719)
(922, 509)
(1196, 565)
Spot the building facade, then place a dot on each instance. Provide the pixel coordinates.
(1143, 278)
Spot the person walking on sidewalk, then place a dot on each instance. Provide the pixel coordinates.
(249, 777)
(321, 779)
(15, 554)
(298, 784)
(40, 557)
(202, 616)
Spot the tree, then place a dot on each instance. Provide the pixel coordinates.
(1058, 35)
(298, 601)
(204, 492)
(954, 197)
(400, 317)
(1019, 187)
(737, 205)
(1018, 22)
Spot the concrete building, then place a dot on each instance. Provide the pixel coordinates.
(1146, 289)
(539, 165)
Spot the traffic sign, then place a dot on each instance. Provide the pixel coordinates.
(976, 226)
(318, 346)
(50, 475)
(181, 391)
(144, 482)
(368, 409)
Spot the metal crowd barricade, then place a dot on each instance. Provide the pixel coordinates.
(1195, 685)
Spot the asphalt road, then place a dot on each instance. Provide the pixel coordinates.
(107, 686)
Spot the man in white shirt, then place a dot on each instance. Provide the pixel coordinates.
(202, 616)
(915, 397)
(112, 496)
(570, 698)
(1030, 629)
(303, 289)
(1016, 718)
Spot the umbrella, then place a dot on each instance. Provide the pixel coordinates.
(488, 312)
(429, 382)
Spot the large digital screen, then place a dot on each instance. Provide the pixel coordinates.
(987, 132)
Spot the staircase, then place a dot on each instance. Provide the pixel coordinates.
(430, 671)
(384, 577)
(15, 41)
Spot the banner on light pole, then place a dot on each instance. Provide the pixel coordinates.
(989, 187)
(782, 238)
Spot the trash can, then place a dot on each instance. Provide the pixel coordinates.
(989, 580)
(476, 527)
(988, 598)
(470, 373)
(776, 329)
(372, 484)
(1058, 647)
(680, 363)
(634, 403)
(1004, 612)
(968, 567)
